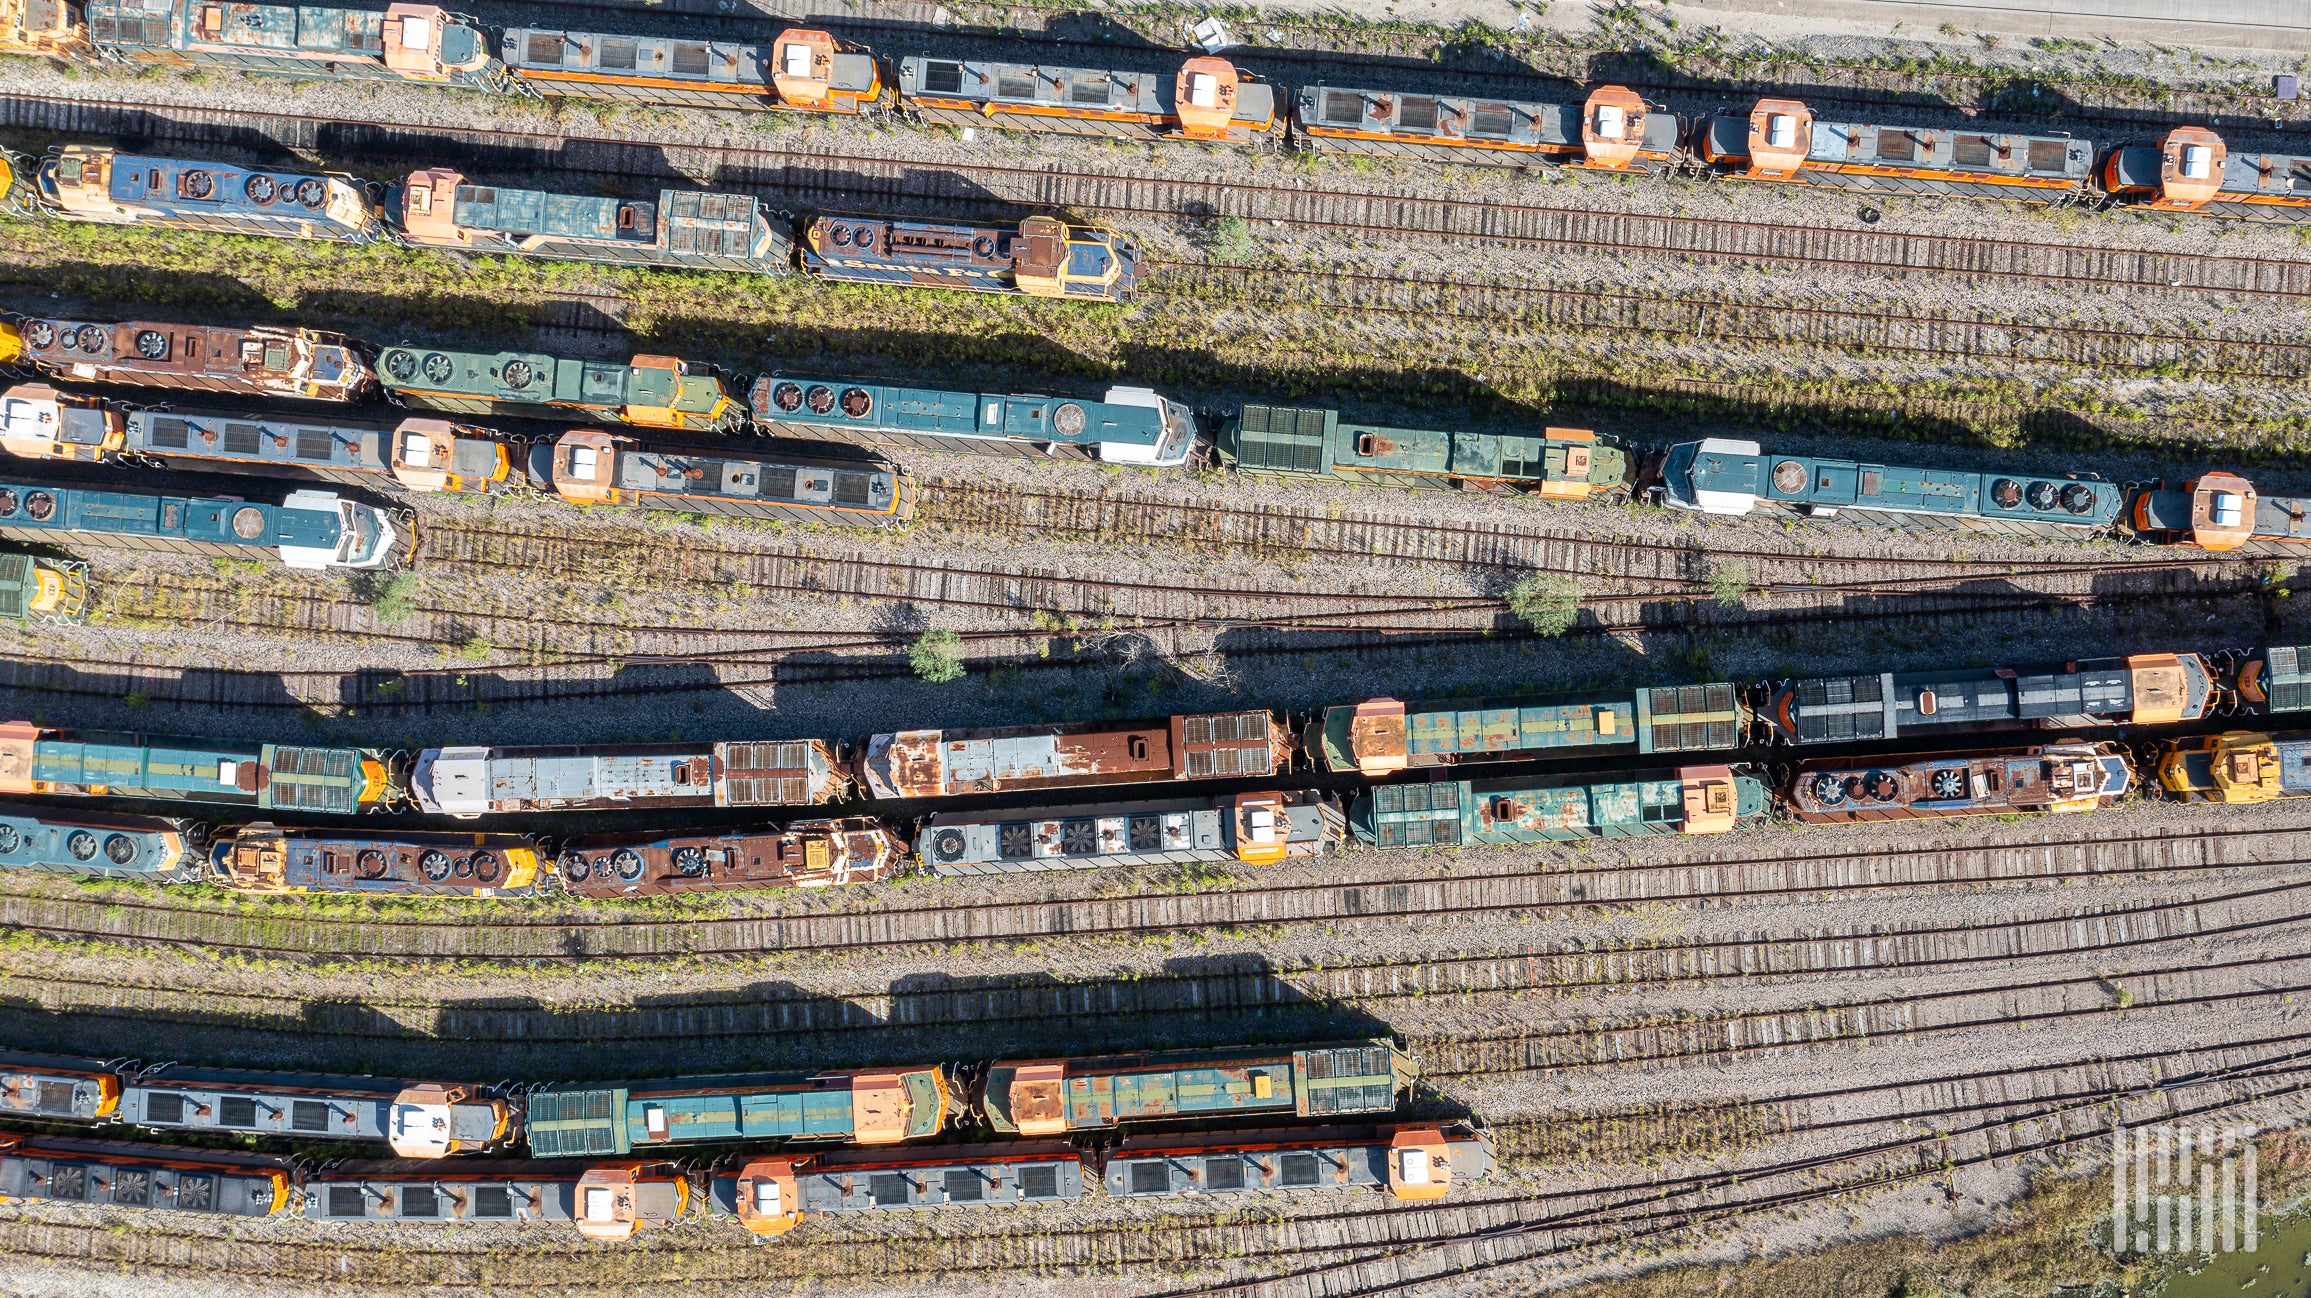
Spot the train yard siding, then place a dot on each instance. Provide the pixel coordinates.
(1891, 823)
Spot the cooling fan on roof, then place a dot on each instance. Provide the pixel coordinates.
(628, 864)
(1015, 842)
(486, 867)
(81, 844)
(1949, 782)
(690, 862)
(152, 344)
(40, 334)
(947, 845)
(438, 367)
(10, 840)
(1079, 837)
(575, 867)
(261, 189)
(435, 865)
(401, 365)
(1827, 789)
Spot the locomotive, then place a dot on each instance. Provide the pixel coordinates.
(437, 207)
(1201, 98)
(842, 1141)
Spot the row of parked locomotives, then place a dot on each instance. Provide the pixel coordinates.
(1966, 741)
(665, 394)
(610, 1159)
(685, 404)
(1203, 99)
(688, 229)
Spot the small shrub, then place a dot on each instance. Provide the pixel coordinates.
(937, 656)
(1547, 602)
(1231, 239)
(392, 600)
(1729, 583)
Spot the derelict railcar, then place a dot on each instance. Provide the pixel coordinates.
(1614, 129)
(271, 777)
(309, 530)
(1127, 426)
(407, 42)
(1254, 828)
(2050, 780)
(264, 857)
(469, 782)
(19, 176)
(772, 1195)
(423, 454)
(50, 27)
(1052, 1097)
(685, 228)
(58, 1088)
(1731, 477)
(318, 1107)
(37, 586)
(651, 391)
(1042, 257)
(1781, 140)
(58, 1169)
(2273, 679)
(1451, 813)
(1383, 736)
(2191, 169)
(587, 467)
(416, 1120)
(1014, 759)
(1555, 464)
(1208, 99)
(2237, 766)
(94, 844)
(92, 183)
(1411, 1163)
(800, 70)
(259, 360)
(2142, 689)
(416, 454)
(605, 1202)
(806, 854)
(39, 422)
(2221, 512)
(856, 1108)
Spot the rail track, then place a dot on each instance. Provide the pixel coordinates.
(518, 677)
(829, 177)
(564, 933)
(1689, 565)
(1647, 1214)
(1248, 990)
(1791, 586)
(1692, 318)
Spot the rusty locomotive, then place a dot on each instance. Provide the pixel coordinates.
(1993, 739)
(604, 1158)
